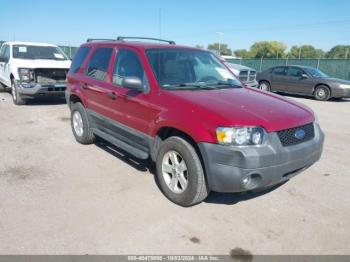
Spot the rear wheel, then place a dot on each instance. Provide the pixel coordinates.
(322, 93)
(179, 172)
(2, 88)
(265, 86)
(16, 96)
(80, 125)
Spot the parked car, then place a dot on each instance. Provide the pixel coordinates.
(32, 70)
(182, 108)
(246, 74)
(303, 80)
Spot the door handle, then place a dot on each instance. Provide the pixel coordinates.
(112, 95)
(84, 86)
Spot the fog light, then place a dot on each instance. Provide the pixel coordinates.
(251, 181)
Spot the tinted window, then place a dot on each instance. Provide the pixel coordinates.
(79, 59)
(280, 71)
(98, 65)
(295, 72)
(128, 65)
(5, 53)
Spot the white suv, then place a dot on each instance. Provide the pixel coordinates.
(32, 70)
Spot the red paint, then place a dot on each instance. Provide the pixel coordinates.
(197, 113)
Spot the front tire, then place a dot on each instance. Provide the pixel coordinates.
(180, 174)
(265, 86)
(80, 125)
(16, 96)
(322, 93)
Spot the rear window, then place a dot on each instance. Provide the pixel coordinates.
(98, 65)
(79, 58)
(280, 71)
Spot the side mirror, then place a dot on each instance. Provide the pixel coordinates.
(304, 76)
(2, 59)
(133, 83)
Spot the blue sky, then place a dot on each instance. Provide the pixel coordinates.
(322, 23)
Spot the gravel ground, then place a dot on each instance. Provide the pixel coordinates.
(60, 197)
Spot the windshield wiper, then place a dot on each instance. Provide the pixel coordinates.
(189, 86)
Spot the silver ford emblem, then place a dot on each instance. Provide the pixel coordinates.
(299, 134)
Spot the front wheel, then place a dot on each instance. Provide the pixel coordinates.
(265, 86)
(16, 96)
(180, 173)
(322, 93)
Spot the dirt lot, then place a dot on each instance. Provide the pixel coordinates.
(59, 197)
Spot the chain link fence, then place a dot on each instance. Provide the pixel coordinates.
(339, 68)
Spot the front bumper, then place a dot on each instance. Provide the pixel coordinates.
(253, 84)
(40, 90)
(227, 166)
(340, 92)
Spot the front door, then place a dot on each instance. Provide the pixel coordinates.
(297, 83)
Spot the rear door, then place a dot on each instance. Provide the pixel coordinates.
(96, 79)
(298, 83)
(279, 79)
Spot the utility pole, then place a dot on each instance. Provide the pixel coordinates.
(160, 23)
(220, 36)
(346, 53)
(299, 51)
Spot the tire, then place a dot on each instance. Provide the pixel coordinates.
(196, 189)
(322, 93)
(80, 125)
(16, 96)
(2, 88)
(265, 86)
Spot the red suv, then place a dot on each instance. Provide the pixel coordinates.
(185, 110)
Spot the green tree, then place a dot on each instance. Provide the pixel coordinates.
(242, 53)
(339, 51)
(305, 51)
(199, 46)
(268, 49)
(224, 49)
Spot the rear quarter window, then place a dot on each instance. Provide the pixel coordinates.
(79, 58)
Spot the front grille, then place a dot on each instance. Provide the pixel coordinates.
(246, 75)
(252, 75)
(288, 137)
(243, 75)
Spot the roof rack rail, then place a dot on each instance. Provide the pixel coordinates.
(98, 39)
(123, 38)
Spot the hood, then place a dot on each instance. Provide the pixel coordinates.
(239, 67)
(336, 80)
(41, 63)
(246, 107)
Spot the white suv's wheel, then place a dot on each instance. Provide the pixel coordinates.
(16, 96)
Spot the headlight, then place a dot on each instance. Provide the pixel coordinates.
(240, 135)
(25, 74)
(344, 86)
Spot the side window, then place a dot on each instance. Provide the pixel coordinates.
(128, 64)
(5, 53)
(282, 71)
(98, 65)
(295, 72)
(79, 58)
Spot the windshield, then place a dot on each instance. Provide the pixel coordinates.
(315, 72)
(189, 69)
(37, 52)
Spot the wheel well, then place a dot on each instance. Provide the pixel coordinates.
(263, 80)
(12, 77)
(166, 132)
(330, 92)
(75, 99)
